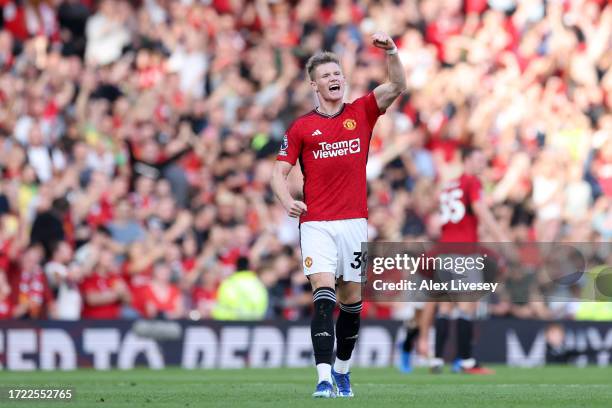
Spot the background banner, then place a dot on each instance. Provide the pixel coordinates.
(54, 345)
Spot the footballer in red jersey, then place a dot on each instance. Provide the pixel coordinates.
(331, 144)
(333, 152)
(462, 208)
(462, 205)
(459, 222)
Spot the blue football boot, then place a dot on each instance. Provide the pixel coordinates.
(405, 362)
(324, 390)
(343, 384)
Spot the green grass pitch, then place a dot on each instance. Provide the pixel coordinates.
(554, 387)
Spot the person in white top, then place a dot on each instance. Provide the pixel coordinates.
(63, 277)
(107, 33)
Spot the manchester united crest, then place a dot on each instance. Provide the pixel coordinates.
(349, 124)
(308, 262)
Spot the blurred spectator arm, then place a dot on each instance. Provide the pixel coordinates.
(82, 206)
(263, 12)
(21, 241)
(68, 181)
(378, 162)
(519, 165)
(204, 263)
(486, 217)
(87, 86)
(191, 277)
(102, 298)
(131, 154)
(117, 247)
(180, 226)
(181, 145)
(259, 249)
(90, 262)
(598, 38)
(65, 95)
(140, 263)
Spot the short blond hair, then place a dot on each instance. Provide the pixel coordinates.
(320, 58)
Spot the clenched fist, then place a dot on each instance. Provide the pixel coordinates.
(296, 208)
(383, 41)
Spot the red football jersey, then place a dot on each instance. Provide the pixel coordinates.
(166, 305)
(96, 283)
(459, 223)
(333, 152)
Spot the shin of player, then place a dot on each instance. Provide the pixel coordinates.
(322, 323)
(347, 326)
(346, 330)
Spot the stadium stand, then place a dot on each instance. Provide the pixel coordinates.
(137, 140)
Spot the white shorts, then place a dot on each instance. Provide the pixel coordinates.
(332, 246)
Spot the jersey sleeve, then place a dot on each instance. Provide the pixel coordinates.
(370, 108)
(291, 146)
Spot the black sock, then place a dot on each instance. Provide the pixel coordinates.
(411, 334)
(465, 331)
(322, 325)
(347, 329)
(442, 325)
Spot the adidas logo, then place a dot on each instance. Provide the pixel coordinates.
(317, 133)
(322, 334)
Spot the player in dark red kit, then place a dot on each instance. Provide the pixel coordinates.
(462, 209)
(331, 143)
(462, 205)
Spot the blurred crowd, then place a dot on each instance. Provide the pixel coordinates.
(137, 141)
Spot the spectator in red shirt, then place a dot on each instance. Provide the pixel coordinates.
(164, 299)
(34, 299)
(104, 291)
(138, 271)
(5, 294)
(204, 296)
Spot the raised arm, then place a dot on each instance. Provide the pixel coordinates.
(486, 217)
(280, 187)
(396, 84)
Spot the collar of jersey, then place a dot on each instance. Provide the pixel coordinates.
(316, 110)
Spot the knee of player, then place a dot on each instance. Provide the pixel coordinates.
(350, 298)
(322, 280)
